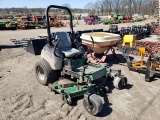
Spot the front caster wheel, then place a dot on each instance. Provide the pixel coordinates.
(94, 105)
(120, 82)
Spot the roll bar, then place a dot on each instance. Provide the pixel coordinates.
(48, 25)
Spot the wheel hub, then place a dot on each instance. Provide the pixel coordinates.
(40, 73)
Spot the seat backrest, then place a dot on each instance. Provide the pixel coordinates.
(65, 40)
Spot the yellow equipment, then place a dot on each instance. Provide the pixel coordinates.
(141, 63)
(151, 67)
(128, 40)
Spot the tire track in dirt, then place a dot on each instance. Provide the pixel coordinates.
(19, 104)
(148, 105)
(23, 107)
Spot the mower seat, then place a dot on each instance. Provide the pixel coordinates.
(65, 45)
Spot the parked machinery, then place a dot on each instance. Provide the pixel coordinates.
(27, 25)
(150, 67)
(66, 70)
(113, 29)
(108, 21)
(12, 25)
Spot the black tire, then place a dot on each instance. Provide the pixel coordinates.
(148, 77)
(120, 83)
(96, 104)
(44, 73)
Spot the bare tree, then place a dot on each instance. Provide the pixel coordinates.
(96, 6)
(127, 6)
(101, 6)
(110, 6)
(90, 7)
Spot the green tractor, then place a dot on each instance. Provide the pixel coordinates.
(117, 16)
(65, 69)
(108, 21)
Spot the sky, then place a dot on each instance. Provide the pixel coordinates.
(42, 3)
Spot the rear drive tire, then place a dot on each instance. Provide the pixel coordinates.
(44, 73)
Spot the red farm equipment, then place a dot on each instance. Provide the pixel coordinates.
(90, 20)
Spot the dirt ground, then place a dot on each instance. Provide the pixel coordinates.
(23, 98)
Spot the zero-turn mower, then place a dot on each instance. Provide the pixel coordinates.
(65, 69)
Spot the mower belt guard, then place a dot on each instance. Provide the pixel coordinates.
(35, 46)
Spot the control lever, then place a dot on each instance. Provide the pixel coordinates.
(55, 43)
